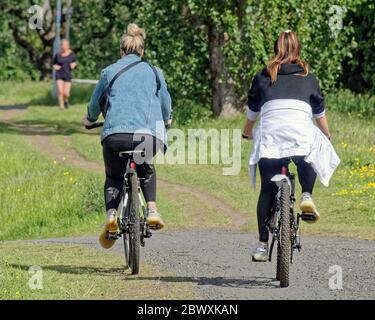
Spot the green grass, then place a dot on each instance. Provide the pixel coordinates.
(38, 93)
(74, 272)
(42, 198)
(347, 206)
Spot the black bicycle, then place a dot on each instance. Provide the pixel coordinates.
(132, 219)
(284, 225)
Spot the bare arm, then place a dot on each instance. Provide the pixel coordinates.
(322, 124)
(73, 65)
(248, 129)
(56, 66)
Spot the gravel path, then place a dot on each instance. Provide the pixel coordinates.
(219, 266)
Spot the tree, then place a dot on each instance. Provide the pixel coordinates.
(235, 40)
(359, 66)
(36, 42)
(208, 17)
(209, 49)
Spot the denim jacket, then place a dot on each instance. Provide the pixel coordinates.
(134, 106)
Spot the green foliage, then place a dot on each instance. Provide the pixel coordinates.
(14, 63)
(359, 105)
(190, 113)
(96, 28)
(359, 74)
(177, 39)
(177, 47)
(254, 33)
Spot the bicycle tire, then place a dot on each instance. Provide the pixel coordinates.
(278, 262)
(285, 242)
(125, 239)
(134, 228)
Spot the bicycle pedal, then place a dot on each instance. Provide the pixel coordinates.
(260, 261)
(155, 227)
(147, 234)
(112, 236)
(308, 216)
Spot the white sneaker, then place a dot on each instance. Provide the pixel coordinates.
(309, 212)
(261, 252)
(154, 220)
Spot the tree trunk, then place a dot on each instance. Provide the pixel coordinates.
(222, 85)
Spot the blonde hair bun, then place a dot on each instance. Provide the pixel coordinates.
(135, 31)
(132, 42)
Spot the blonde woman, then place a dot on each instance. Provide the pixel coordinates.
(286, 96)
(139, 106)
(63, 63)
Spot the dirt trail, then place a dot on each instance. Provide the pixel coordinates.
(11, 112)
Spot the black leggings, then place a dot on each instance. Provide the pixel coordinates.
(268, 168)
(115, 165)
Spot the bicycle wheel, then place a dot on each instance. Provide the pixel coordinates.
(134, 228)
(278, 262)
(125, 239)
(283, 252)
(125, 236)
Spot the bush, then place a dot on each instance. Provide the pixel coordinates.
(361, 105)
(189, 112)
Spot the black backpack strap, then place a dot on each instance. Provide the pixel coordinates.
(158, 83)
(157, 78)
(122, 71)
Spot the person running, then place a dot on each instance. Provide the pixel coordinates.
(286, 96)
(63, 63)
(139, 110)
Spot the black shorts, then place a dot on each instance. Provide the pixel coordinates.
(64, 77)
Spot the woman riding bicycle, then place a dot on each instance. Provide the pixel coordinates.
(286, 96)
(139, 109)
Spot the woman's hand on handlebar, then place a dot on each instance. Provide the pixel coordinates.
(86, 122)
(168, 123)
(250, 137)
(247, 132)
(91, 125)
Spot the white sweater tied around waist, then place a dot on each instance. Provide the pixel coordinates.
(286, 129)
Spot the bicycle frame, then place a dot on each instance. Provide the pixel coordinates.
(123, 208)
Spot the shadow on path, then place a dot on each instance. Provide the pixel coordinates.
(43, 128)
(13, 107)
(237, 282)
(69, 269)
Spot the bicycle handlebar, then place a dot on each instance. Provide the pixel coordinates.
(100, 124)
(95, 125)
